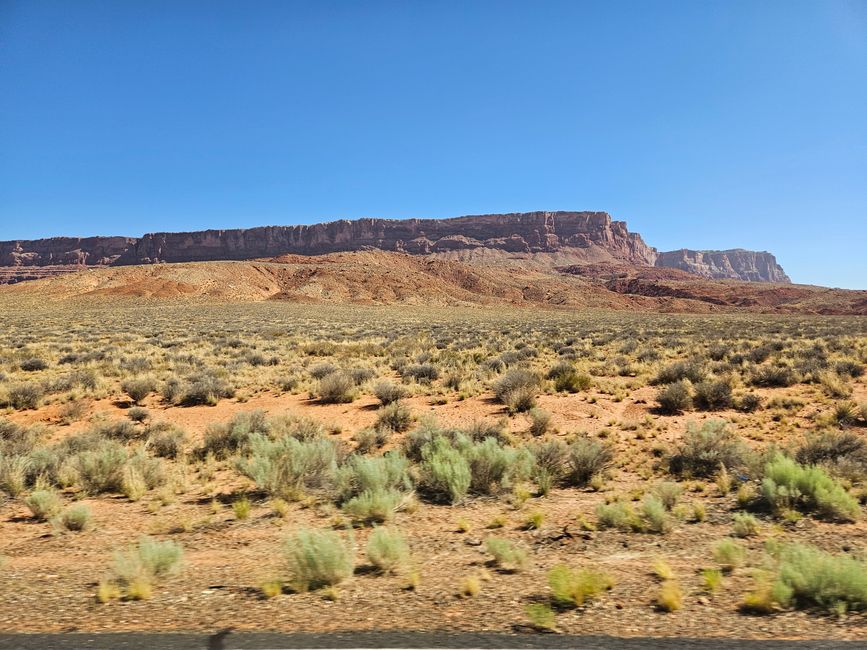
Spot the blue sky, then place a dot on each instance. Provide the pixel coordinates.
(702, 124)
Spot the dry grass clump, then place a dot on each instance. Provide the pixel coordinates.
(136, 569)
(574, 588)
(336, 388)
(517, 389)
(708, 447)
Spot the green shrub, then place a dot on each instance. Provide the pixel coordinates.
(373, 506)
(317, 558)
(505, 554)
(75, 518)
(101, 469)
(568, 380)
(395, 416)
(704, 449)
(655, 514)
(809, 577)
(745, 525)
(575, 588)
(675, 397)
(787, 484)
(361, 474)
(494, 467)
(44, 504)
(387, 550)
(618, 514)
(445, 473)
(668, 493)
(336, 388)
(729, 554)
(139, 387)
(138, 566)
(287, 467)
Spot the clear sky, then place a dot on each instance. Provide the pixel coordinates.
(702, 124)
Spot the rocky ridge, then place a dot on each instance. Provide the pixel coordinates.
(593, 236)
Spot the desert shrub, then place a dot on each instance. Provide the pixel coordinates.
(361, 374)
(317, 558)
(655, 515)
(166, 440)
(845, 413)
(336, 388)
(387, 550)
(203, 388)
(395, 416)
(388, 392)
(101, 469)
(43, 504)
(567, 379)
(287, 383)
(421, 372)
(668, 493)
(773, 377)
(745, 525)
(675, 397)
(373, 506)
(139, 566)
(123, 430)
(617, 514)
(480, 430)
(540, 422)
(670, 597)
(136, 413)
(286, 467)
(445, 472)
(13, 473)
(729, 554)
(505, 554)
(748, 402)
(849, 368)
(587, 458)
(842, 452)
(516, 390)
(809, 577)
(25, 396)
(139, 387)
(572, 588)
(18, 440)
(789, 485)
(713, 395)
(367, 440)
(680, 370)
(494, 467)
(33, 364)
(322, 370)
(361, 474)
(704, 449)
(226, 438)
(75, 518)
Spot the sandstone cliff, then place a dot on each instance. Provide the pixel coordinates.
(528, 232)
(567, 236)
(78, 251)
(736, 264)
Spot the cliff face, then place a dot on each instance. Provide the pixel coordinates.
(78, 251)
(525, 232)
(737, 264)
